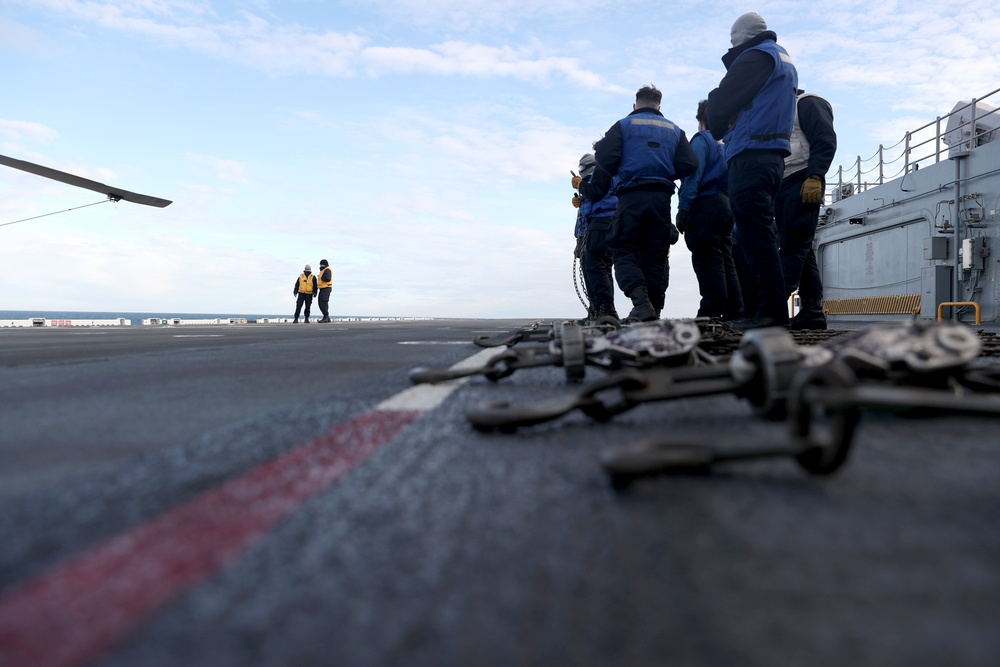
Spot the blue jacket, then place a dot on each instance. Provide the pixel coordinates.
(712, 175)
(645, 150)
(754, 105)
(597, 201)
(603, 207)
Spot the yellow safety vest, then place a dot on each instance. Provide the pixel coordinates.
(306, 284)
(319, 277)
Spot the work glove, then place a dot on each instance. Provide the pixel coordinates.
(576, 180)
(578, 250)
(812, 190)
(577, 201)
(682, 221)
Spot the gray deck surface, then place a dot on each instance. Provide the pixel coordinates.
(451, 547)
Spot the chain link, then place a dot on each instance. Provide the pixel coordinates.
(817, 381)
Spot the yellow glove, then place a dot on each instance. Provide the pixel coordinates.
(576, 202)
(812, 190)
(576, 182)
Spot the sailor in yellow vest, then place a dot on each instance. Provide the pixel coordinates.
(305, 288)
(325, 283)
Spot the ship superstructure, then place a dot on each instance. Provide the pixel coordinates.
(924, 240)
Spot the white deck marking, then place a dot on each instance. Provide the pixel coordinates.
(424, 397)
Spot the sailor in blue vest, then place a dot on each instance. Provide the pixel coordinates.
(704, 217)
(645, 153)
(597, 209)
(753, 110)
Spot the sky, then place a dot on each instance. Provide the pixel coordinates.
(423, 147)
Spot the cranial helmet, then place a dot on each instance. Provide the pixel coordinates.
(587, 165)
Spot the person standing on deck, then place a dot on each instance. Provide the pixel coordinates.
(752, 111)
(705, 219)
(598, 206)
(645, 153)
(796, 211)
(324, 282)
(304, 289)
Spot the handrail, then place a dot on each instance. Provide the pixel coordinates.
(913, 153)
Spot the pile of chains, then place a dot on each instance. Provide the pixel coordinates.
(818, 382)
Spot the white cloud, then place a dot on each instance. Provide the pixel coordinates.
(286, 48)
(495, 16)
(461, 58)
(231, 171)
(26, 131)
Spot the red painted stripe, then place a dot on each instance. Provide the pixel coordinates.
(71, 615)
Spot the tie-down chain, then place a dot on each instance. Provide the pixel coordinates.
(574, 347)
(538, 332)
(910, 366)
(760, 371)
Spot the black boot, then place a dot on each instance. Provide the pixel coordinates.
(605, 313)
(642, 308)
(810, 315)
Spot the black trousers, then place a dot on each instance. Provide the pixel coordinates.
(754, 180)
(596, 263)
(306, 299)
(639, 239)
(324, 301)
(710, 239)
(797, 223)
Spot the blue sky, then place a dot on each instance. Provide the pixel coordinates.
(422, 146)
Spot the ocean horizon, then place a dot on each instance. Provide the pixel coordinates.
(135, 318)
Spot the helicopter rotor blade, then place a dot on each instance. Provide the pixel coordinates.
(80, 182)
